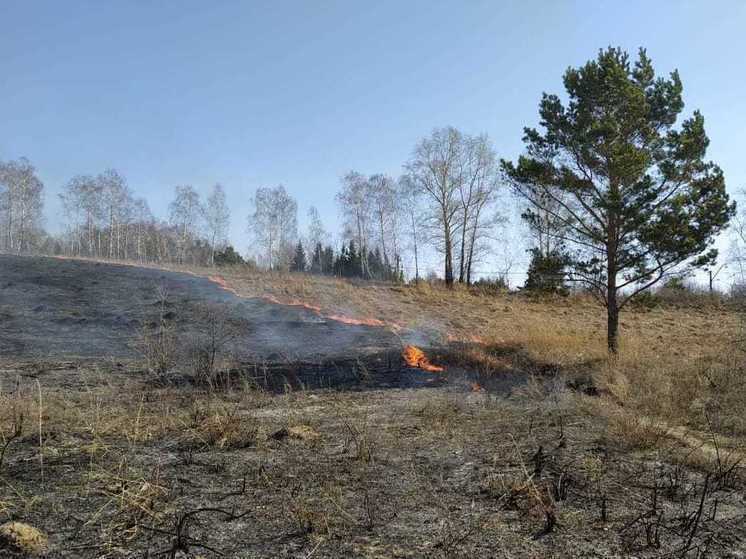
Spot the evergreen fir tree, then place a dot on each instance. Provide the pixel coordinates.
(299, 259)
(327, 261)
(355, 263)
(546, 272)
(317, 260)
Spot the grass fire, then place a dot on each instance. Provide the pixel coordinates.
(254, 313)
(415, 357)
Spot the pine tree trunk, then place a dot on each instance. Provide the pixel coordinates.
(612, 305)
(612, 327)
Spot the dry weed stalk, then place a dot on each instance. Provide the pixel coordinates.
(12, 428)
(359, 436)
(157, 341)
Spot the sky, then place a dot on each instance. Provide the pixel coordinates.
(252, 94)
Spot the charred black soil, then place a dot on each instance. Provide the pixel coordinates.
(77, 309)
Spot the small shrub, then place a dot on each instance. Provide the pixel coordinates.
(633, 431)
(306, 512)
(208, 348)
(360, 437)
(137, 499)
(222, 428)
(21, 539)
(157, 341)
(439, 413)
(490, 286)
(11, 428)
(158, 346)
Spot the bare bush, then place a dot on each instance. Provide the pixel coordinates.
(208, 352)
(157, 342)
(221, 426)
(359, 437)
(11, 427)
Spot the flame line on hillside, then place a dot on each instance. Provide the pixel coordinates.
(220, 281)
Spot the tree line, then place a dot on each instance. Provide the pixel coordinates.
(447, 197)
(103, 219)
(452, 208)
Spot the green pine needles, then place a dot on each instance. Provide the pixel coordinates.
(632, 195)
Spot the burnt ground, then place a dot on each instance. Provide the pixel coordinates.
(81, 311)
(57, 308)
(112, 462)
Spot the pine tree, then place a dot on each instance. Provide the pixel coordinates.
(317, 260)
(546, 272)
(299, 259)
(342, 263)
(327, 266)
(635, 195)
(374, 264)
(228, 256)
(355, 262)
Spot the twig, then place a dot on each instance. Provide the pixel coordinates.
(698, 516)
(41, 440)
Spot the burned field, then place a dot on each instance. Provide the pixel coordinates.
(75, 309)
(148, 413)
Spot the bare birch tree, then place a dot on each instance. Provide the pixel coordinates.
(476, 192)
(217, 218)
(114, 193)
(410, 203)
(74, 214)
(21, 204)
(88, 193)
(384, 203)
(355, 205)
(274, 223)
(143, 222)
(436, 171)
(317, 234)
(186, 212)
(316, 239)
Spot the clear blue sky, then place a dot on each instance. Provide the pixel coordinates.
(251, 94)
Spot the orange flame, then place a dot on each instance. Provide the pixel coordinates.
(219, 280)
(476, 387)
(415, 357)
(292, 303)
(335, 317)
(356, 321)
